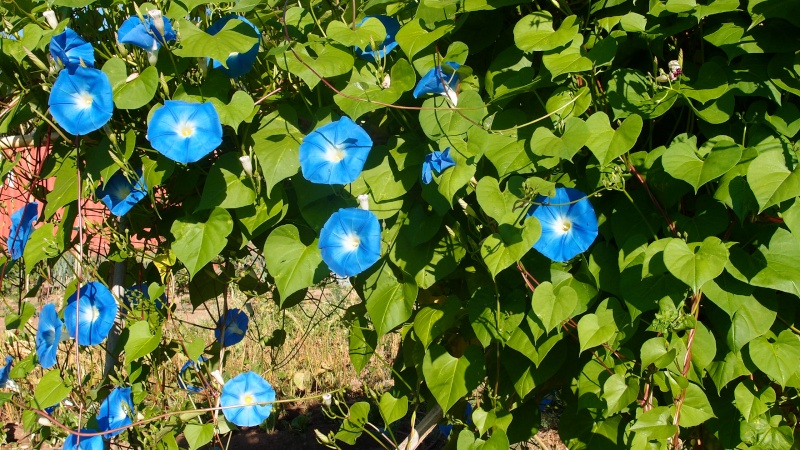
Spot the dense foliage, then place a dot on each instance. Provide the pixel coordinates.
(594, 197)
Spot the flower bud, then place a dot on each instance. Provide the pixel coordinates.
(50, 16)
(43, 421)
(217, 376)
(247, 165)
(451, 95)
(158, 21)
(363, 201)
(152, 56)
(132, 77)
(387, 81)
(326, 399)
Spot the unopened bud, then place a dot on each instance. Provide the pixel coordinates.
(451, 95)
(44, 421)
(247, 165)
(50, 17)
(152, 56)
(158, 22)
(326, 399)
(387, 81)
(363, 202)
(217, 376)
(132, 77)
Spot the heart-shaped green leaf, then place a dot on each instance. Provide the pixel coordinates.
(695, 264)
(771, 181)
(450, 379)
(607, 144)
(551, 306)
(682, 162)
(197, 243)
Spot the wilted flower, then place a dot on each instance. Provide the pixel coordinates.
(569, 224)
(350, 241)
(69, 49)
(185, 132)
(436, 162)
(182, 383)
(247, 389)
(146, 34)
(48, 335)
(81, 101)
(86, 443)
(437, 81)
(94, 320)
(114, 411)
(5, 371)
(232, 328)
(119, 194)
(674, 69)
(238, 63)
(21, 228)
(335, 153)
(392, 26)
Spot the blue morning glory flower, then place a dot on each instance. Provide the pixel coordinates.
(436, 162)
(119, 194)
(238, 63)
(232, 328)
(185, 132)
(81, 101)
(114, 411)
(350, 241)
(431, 82)
(392, 26)
(181, 383)
(48, 336)
(335, 153)
(69, 49)
(247, 389)
(21, 228)
(94, 320)
(5, 371)
(86, 443)
(568, 229)
(145, 34)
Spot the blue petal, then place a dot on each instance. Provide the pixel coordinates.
(86, 443)
(5, 371)
(335, 241)
(235, 324)
(392, 26)
(431, 82)
(240, 63)
(69, 48)
(48, 335)
(167, 122)
(445, 160)
(21, 228)
(559, 245)
(69, 95)
(120, 195)
(343, 135)
(233, 393)
(91, 329)
(427, 174)
(113, 413)
(145, 34)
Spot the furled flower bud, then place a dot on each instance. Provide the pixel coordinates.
(217, 376)
(158, 21)
(326, 399)
(363, 201)
(387, 81)
(451, 95)
(247, 165)
(50, 16)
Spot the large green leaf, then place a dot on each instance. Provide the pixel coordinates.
(771, 180)
(198, 435)
(682, 162)
(619, 392)
(777, 358)
(293, 264)
(362, 343)
(507, 246)
(695, 409)
(331, 60)
(277, 146)
(235, 37)
(393, 409)
(534, 32)
(450, 379)
(141, 341)
(751, 401)
(227, 185)
(697, 263)
(413, 37)
(368, 33)
(439, 120)
(137, 92)
(553, 306)
(365, 86)
(51, 390)
(432, 321)
(198, 242)
(390, 300)
(608, 144)
(593, 331)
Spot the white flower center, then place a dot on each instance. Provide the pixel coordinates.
(84, 100)
(94, 313)
(186, 129)
(351, 242)
(563, 225)
(248, 399)
(233, 328)
(334, 154)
